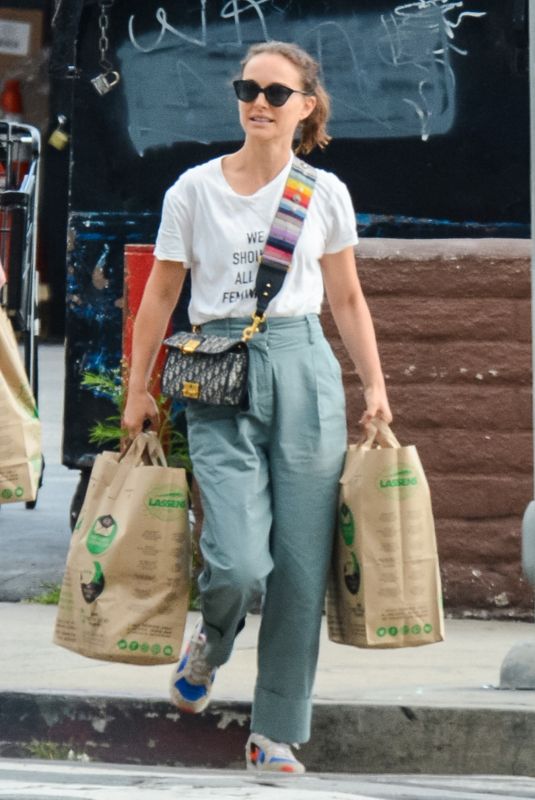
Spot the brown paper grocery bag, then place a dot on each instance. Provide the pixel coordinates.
(126, 587)
(20, 428)
(384, 588)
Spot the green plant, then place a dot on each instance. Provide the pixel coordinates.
(49, 596)
(47, 751)
(109, 384)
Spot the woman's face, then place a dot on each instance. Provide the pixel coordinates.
(262, 121)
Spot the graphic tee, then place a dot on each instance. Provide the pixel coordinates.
(219, 235)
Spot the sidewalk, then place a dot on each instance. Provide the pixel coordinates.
(462, 670)
(430, 710)
(434, 709)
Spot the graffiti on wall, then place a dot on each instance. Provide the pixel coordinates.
(389, 73)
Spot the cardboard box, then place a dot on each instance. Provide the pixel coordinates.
(21, 37)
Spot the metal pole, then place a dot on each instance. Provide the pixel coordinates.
(528, 523)
(518, 666)
(532, 184)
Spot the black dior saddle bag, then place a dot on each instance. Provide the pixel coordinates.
(212, 369)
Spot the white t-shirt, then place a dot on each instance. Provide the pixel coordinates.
(220, 235)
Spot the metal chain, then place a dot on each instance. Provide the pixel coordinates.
(57, 7)
(104, 42)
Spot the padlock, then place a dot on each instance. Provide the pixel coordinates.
(59, 138)
(105, 82)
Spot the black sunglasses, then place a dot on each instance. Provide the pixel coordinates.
(276, 93)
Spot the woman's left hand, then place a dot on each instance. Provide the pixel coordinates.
(376, 406)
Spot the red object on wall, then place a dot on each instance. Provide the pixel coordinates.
(138, 260)
(11, 99)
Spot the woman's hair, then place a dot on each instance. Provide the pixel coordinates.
(313, 129)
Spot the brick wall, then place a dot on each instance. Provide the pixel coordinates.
(453, 322)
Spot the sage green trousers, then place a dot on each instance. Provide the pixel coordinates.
(268, 479)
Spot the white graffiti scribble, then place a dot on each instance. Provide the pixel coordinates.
(406, 24)
(231, 10)
(186, 80)
(166, 27)
(389, 74)
(419, 35)
(360, 99)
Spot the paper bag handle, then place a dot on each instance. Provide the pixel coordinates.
(379, 431)
(144, 444)
(133, 454)
(155, 450)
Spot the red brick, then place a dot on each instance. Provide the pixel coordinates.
(484, 452)
(438, 278)
(443, 318)
(522, 330)
(464, 407)
(465, 362)
(481, 496)
(469, 588)
(483, 541)
(403, 318)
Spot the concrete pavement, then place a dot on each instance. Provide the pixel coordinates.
(434, 710)
(462, 670)
(21, 780)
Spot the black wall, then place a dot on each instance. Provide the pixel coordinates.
(430, 124)
(475, 167)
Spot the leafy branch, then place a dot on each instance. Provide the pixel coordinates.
(109, 384)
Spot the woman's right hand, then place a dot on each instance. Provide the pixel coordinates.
(140, 406)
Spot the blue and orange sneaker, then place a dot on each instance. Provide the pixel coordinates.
(192, 680)
(263, 755)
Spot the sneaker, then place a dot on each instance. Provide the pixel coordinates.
(192, 680)
(263, 755)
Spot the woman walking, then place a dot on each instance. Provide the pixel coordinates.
(268, 474)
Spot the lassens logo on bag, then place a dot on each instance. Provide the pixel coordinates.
(400, 479)
(165, 502)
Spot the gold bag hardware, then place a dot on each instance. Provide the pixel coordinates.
(190, 346)
(191, 389)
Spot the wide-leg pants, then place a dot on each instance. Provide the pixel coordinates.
(268, 479)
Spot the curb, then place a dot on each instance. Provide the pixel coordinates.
(346, 738)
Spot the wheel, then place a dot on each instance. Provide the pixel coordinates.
(78, 497)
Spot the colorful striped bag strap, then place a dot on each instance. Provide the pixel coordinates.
(283, 235)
